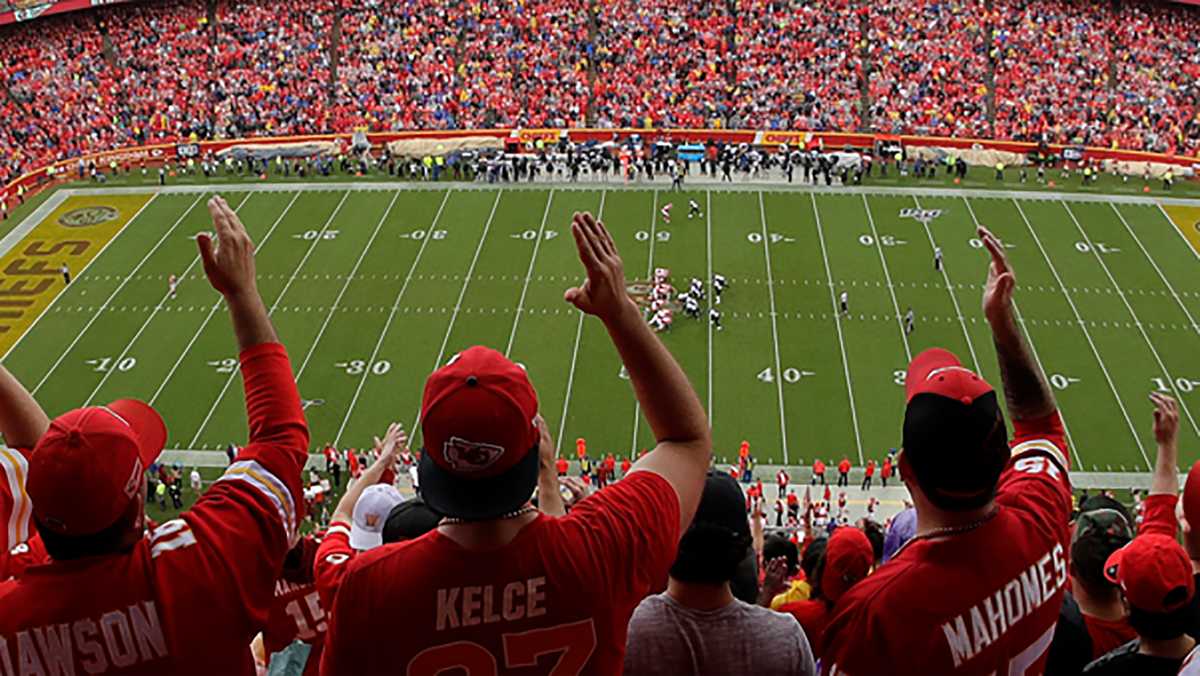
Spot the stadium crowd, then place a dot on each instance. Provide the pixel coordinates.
(1124, 74)
(664, 568)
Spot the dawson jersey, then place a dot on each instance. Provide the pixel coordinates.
(555, 600)
(981, 601)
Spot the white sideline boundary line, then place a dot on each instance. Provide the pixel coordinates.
(1086, 334)
(837, 320)
(887, 275)
(1136, 321)
(113, 295)
(217, 306)
(562, 423)
(391, 317)
(637, 405)
(154, 313)
(346, 285)
(950, 289)
(1174, 294)
(512, 335)
(762, 212)
(278, 299)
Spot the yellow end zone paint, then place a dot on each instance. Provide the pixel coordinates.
(74, 234)
(1187, 219)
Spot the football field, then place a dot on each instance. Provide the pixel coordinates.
(373, 286)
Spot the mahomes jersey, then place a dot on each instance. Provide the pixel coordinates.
(296, 613)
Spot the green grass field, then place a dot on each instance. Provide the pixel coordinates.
(371, 289)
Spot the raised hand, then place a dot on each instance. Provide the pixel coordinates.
(228, 262)
(603, 294)
(1166, 419)
(998, 292)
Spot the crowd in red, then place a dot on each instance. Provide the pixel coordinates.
(1069, 71)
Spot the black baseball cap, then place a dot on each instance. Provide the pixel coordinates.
(722, 504)
(955, 439)
(1103, 527)
(409, 520)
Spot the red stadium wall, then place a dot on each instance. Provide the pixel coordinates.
(155, 155)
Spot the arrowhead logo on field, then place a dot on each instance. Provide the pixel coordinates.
(923, 215)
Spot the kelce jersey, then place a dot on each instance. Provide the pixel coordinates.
(555, 600)
(977, 602)
(189, 597)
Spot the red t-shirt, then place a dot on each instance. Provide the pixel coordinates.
(296, 613)
(818, 467)
(561, 466)
(813, 616)
(1107, 634)
(844, 466)
(560, 593)
(189, 597)
(1008, 576)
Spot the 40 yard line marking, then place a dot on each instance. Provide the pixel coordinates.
(512, 336)
(562, 423)
(950, 288)
(762, 212)
(391, 316)
(1086, 334)
(217, 305)
(124, 281)
(887, 276)
(278, 299)
(637, 405)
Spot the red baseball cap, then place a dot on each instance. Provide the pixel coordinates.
(1191, 497)
(1154, 572)
(91, 463)
(480, 438)
(848, 559)
(955, 439)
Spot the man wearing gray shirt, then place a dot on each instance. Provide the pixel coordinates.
(697, 626)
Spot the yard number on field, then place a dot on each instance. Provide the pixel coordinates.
(226, 365)
(106, 364)
(317, 234)
(790, 375)
(1182, 384)
(977, 243)
(775, 238)
(659, 236)
(1061, 382)
(357, 367)
(884, 240)
(1100, 247)
(530, 235)
(421, 234)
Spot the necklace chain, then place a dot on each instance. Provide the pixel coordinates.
(510, 515)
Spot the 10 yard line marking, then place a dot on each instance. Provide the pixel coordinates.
(1086, 334)
(950, 288)
(512, 336)
(1137, 322)
(837, 319)
(153, 314)
(349, 278)
(637, 405)
(1033, 349)
(562, 423)
(217, 305)
(117, 290)
(391, 316)
(283, 292)
(888, 276)
(1161, 276)
(762, 212)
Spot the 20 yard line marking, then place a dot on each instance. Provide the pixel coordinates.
(349, 278)
(762, 212)
(1137, 322)
(124, 281)
(512, 336)
(278, 299)
(1161, 276)
(888, 276)
(950, 290)
(837, 320)
(217, 305)
(391, 316)
(637, 405)
(562, 424)
(1086, 334)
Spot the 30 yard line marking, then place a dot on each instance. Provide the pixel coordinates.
(1137, 322)
(950, 289)
(111, 296)
(887, 276)
(391, 316)
(278, 299)
(346, 285)
(562, 422)
(837, 320)
(1086, 334)
(1161, 276)
(217, 305)
(637, 405)
(512, 336)
(150, 318)
(766, 238)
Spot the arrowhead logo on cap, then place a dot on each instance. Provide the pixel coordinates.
(471, 456)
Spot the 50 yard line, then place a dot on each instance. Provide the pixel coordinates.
(887, 276)
(762, 212)
(950, 288)
(637, 405)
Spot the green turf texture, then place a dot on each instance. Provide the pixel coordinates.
(409, 306)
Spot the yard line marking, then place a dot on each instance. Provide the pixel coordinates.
(487, 226)
(1136, 321)
(271, 312)
(150, 318)
(950, 290)
(762, 212)
(562, 424)
(346, 285)
(637, 405)
(887, 276)
(217, 305)
(82, 272)
(512, 336)
(1086, 334)
(391, 316)
(837, 320)
(1156, 268)
(124, 281)
(709, 257)
(1033, 348)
